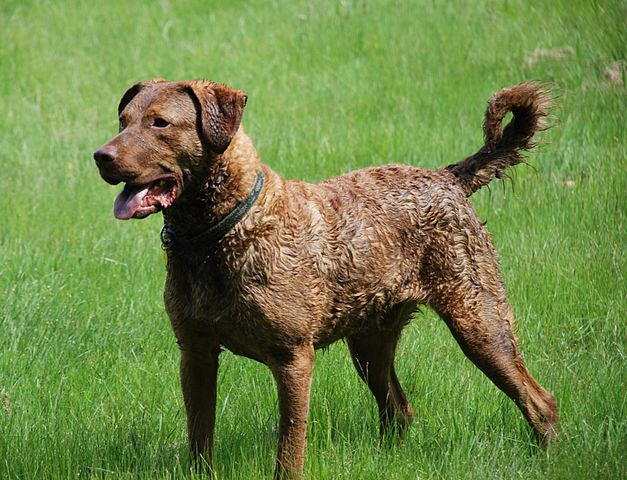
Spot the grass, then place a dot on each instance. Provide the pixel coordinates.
(88, 364)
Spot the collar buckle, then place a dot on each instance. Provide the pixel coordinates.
(166, 237)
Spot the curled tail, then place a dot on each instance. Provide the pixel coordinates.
(503, 148)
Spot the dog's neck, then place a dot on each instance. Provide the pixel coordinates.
(226, 182)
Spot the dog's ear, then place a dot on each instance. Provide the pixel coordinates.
(221, 109)
(133, 91)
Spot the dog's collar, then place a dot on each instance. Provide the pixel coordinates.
(216, 231)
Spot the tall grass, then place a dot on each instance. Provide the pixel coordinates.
(88, 365)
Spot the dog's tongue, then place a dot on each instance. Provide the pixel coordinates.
(128, 201)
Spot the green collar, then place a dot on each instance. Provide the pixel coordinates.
(216, 231)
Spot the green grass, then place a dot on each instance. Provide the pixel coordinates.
(88, 364)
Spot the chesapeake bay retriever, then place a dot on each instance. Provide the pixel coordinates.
(273, 269)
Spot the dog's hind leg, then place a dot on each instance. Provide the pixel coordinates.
(373, 357)
(481, 322)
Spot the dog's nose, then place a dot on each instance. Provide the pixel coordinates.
(105, 154)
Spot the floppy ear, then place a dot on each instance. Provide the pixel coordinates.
(221, 109)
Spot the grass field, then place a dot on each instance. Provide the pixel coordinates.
(88, 363)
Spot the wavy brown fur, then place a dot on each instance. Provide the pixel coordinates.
(350, 257)
(529, 104)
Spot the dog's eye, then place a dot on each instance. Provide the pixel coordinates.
(160, 122)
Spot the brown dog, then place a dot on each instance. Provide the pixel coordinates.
(274, 269)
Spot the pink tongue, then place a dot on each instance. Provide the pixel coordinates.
(128, 202)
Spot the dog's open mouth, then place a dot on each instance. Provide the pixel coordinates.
(139, 201)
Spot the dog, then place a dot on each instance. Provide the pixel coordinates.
(274, 269)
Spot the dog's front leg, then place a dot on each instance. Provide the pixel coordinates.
(199, 371)
(293, 377)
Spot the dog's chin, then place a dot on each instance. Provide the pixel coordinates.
(140, 201)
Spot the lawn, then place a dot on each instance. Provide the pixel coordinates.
(88, 363)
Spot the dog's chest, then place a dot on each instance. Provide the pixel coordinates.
(200, 298)
(194, 290)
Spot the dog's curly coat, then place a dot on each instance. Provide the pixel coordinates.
(308, 264)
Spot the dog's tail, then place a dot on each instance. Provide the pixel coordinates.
(529, 103)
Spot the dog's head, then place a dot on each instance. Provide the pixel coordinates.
(169, 131)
